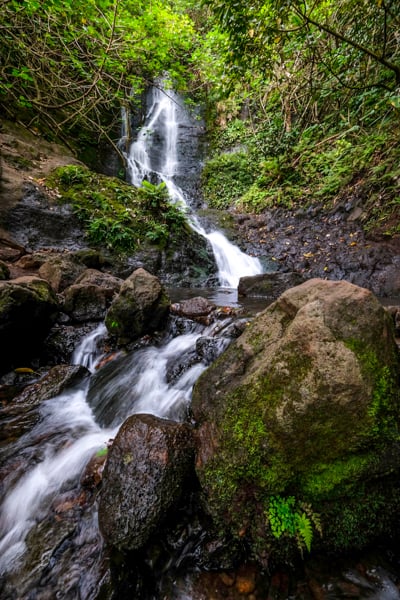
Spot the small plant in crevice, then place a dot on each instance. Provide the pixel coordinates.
(288, 517)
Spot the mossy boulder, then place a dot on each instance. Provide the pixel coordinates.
(28, 308)
(298, 424)
(141, 307)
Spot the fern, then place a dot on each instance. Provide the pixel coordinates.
(288, 517)
(304, 532)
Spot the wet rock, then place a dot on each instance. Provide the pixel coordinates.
(193, 308)
(37, 222)
(177, 366)
(331, 246)
(270, 285)
(20, 415)
(61, 270)
(304, 403)
(143, 479)
(28, 308)
(141, 307)
(4, 271)
(62, 340)
(209, 348)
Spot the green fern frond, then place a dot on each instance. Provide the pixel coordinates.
(304, 532)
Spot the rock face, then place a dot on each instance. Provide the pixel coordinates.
(28, 307)
(141, 307)
(300, 417)
(143, 477)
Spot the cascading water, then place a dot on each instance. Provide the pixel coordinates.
(70, 430)
(154, 154)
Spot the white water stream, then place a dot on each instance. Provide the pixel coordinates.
(72, 434)
(165, 116)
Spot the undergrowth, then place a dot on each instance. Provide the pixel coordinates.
(257, 165)
(114, 214)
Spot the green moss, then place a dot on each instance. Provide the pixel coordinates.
(116, 215)
(383, 409)
(226, 177)
(325, 480)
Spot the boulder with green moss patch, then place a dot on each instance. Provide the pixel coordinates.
(141, 307)
(298, 424)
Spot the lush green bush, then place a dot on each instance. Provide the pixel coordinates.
(116, 215)
(226, 177)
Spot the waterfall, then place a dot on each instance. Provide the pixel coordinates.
(154, 154)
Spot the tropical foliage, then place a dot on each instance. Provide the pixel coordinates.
(69, 67)
(314, 89)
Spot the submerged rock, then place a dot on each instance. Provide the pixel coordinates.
(298, 423)
(141, 307)
(143, 478)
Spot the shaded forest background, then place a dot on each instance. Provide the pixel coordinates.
(302, 99)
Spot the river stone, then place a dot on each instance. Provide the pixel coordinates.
(109, 283)
(193, 308)
(28, 307)
(143, 478)
(141, 307)
(90, 295)
(303, 405)
(61, 270)
(269, 285)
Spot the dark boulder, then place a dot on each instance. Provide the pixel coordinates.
(141, 307)
(143, 479)
(28, 308)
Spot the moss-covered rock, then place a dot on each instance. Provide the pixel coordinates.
(298, 423)
(141, 307)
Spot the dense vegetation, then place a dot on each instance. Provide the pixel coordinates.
(303, 99)
(68, 67)
(313, 113)
(114, 214)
